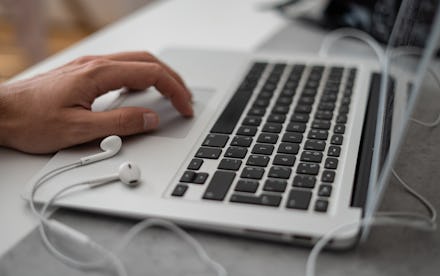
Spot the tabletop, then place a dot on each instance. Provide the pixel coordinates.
(388, 251)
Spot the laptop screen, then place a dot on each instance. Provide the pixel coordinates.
(405, 64)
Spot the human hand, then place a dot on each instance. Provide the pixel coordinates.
(52, 111)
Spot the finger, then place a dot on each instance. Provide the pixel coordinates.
(122, 121)
(132, 56)
(144, 57)
(111, 75)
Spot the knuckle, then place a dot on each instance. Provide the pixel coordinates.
(84, 59)
(98, 62)
(78, 130)
(122, 123)
(95, 66)
(156, 69)
(148, 55)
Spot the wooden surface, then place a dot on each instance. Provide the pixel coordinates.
(14, 59)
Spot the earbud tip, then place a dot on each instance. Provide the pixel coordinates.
(129, 173)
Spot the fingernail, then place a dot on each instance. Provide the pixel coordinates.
(151, 121)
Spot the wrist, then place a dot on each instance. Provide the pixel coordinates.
(4, 126)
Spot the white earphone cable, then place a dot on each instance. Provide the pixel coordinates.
(313, 256)
(109, 255)
(198, 248)
(66, 259)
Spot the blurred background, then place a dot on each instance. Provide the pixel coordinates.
(31, 30)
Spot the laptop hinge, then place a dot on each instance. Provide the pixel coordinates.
(363, 166)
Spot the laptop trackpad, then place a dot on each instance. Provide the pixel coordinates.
(172, 124)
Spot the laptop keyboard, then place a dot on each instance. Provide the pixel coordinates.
(285, 151)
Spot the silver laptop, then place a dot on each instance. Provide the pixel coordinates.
(280, 148)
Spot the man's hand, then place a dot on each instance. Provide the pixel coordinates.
(53, 110)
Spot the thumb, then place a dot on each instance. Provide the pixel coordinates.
(123, 121)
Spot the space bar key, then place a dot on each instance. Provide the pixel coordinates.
(218, 187)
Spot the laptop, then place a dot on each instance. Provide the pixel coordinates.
(280, 147)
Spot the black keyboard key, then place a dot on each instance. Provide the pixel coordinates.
(309, 92)
(241, 141)
(311, 156)
(195, 164)
(344, 109)
(296, 127)
(286, 92)
(306, 100)
(188, 177)
(318, 134)
(345, 100)
(329, 98)
(304, 181)
(258, 160)
(179, 190)
(337, 139)
(284, 101)
(326, 106)
(247, 130)
(230, 164)
(272, 127)
(280, 109)
(269, 86)
(331, 163)
(208, 153)
(275, 185)
(263, 149)
(292, 137)
(253, 173)
(328, 176)
(308, 168)
(252, 121)
(284, 160)
(232, 112)
(289, 148)
(279, 68)
(339, 129)
(321, 205)
(216, 140)
(219, 185)
(247, 186)
(303, 108)
(236, 152)
(348, 92)
(334, 151)
(325, 190)
(263, 199)
(341, 119)
(318, 145)
(262, 102)
(276, 118)
(291, 85)
(324, 115)
(300, 118)
(312, 84)
(265, 94)
(268, 138)
(280, 172)
(321, 124)
(200, 178)
(257, 111)
(299, 199)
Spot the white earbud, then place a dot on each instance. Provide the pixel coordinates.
(128, 173)
(110, 146)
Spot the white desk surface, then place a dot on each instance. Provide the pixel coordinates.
(223, 24)
(234, 25)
